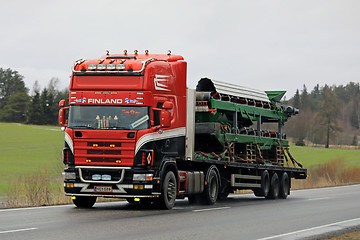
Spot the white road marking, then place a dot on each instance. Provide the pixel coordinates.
(31, 208)
(315, 199)
(56, 206)
(18, 230)
(310, 229)
(210, 209)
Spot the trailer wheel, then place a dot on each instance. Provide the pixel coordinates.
(265, 185)
(211, 190)
(284, 186)
(84, 202)
(169, 190)
(274, 187)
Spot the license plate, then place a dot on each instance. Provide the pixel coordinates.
(103, 189)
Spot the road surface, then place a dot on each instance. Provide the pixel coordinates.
(305, 213)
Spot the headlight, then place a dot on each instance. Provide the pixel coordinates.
(70, 175)
(106, 177)
(143, 177)
(139, 177)
(96, 177)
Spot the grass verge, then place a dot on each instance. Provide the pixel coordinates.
(333, 173)
(36, 190)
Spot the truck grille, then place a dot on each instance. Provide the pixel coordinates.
(104, 152)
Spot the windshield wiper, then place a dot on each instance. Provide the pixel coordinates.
(121, 128)
(83, 126)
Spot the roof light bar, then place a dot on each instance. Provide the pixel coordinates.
(120, 66)
(92, 66)
(101, 66)
(110, 67)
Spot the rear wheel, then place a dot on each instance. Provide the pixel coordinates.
(169, 190)
(274, 187)
(265, 185)
(284, 186)
(84, 202)
(211, 190)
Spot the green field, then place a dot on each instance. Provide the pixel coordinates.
(312, 156)
(28, 150)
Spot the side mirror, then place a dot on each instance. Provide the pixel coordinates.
(62, 120)
(62, 103)
(165, 118)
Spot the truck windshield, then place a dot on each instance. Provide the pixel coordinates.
(109, 117)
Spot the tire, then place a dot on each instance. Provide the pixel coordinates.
(211, 190)
(84, 202)
(265, 185)
(284, 186)
(274, 187)
(168, 191)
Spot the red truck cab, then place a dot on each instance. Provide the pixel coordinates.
(126, 123)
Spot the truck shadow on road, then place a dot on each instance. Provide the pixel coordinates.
(184, 205)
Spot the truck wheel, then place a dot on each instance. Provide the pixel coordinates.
(274, 187)
(211, 190)
(169, 190)
(265, 185)
(84, 202)
(284, 186)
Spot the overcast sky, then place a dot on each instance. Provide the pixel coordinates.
(262, 44)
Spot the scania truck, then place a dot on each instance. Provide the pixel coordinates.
(133, 130)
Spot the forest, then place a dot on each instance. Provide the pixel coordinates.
(329, 115)
(39, 107)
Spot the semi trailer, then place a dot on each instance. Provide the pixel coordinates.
(133, 130)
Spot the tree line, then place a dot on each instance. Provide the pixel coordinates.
(329, 115)
(17, 105)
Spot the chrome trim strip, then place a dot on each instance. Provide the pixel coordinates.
(106, 182)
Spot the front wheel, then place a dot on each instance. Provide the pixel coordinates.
(169, 190)
(84, 202)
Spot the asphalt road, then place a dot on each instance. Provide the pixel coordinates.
(305, 213)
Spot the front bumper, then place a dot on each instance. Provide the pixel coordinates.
(119, 185)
